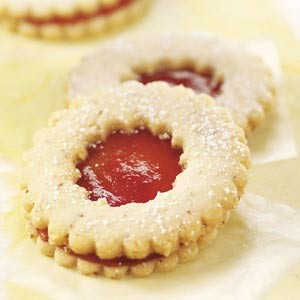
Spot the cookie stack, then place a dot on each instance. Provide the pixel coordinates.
(147, 162)
(72, 19)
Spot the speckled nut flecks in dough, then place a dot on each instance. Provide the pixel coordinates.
(238, 79)
(136, 238)
(72, 19)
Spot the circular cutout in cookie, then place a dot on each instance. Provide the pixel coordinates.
(199, 82)
(247, 86)
(215, 158)
(129, 168)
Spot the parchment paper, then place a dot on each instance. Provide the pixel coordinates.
(260, 242)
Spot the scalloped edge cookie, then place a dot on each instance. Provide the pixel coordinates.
(248, 87)
(184, 254)
(15, 14)
(215, 160)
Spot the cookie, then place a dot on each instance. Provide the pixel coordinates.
(134, 180)
(72, 19)
(238, 79)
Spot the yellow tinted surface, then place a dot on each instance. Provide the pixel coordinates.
(33, 82)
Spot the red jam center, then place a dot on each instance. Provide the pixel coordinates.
(103, 10)
(129, 168)
(200, 83)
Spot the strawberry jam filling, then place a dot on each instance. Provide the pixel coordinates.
(93, 258)
(126, 168)
(129, 168)
(199, 82)
(103, 10)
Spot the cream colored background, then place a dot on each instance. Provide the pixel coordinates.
(40, 70)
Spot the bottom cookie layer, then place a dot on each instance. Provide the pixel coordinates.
(64, 257)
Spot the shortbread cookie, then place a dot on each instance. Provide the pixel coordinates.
(134, 180)
(238, 79)
(68, 19)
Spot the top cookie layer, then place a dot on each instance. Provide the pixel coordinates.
(248, 85)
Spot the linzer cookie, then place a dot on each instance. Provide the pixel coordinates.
(68, 19)
(135, 180)
(238, 79)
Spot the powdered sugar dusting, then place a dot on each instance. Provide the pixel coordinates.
(248, 85)
(214, 159)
